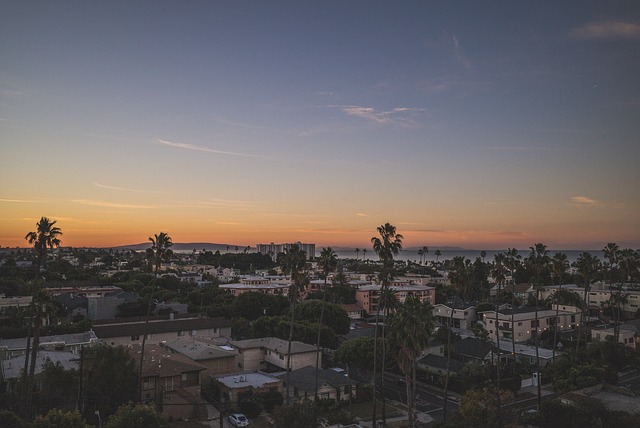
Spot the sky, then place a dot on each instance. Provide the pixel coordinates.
(463, 123)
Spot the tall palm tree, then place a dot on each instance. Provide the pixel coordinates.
(328, 262)
(46, 236)
(483, 254)
(364, 254)
(611, 253)
(357, 253)
(498, 273)
(409, 330)
(386, 246)
(538, 261)
(629, 263)
(420, 253)
(160, 247)
(425, 251)
(294, 263)
(559, 265)
(438, 253)
(43, 305)
(512, 262)
(587, 266)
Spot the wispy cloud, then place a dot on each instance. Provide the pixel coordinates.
(584, 201)
(200, 148)
(110, 204)
(521, 148)
(228, 223)
(400, 116)
(362, 215)
(124, 189)
(17, 201)
(609, 30)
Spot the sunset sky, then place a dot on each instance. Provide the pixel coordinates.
(463, 123)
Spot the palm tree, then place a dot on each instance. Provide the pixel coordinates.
(420, 253)
(483, 254)
(160, 249)
(512, 262)
(409, 330)
(357, 253)
(587, 266)
(386, 246)
(628, 262)
(42, 306)
(364, 254)
(559, 265)
(46, 235)
(499, 274)
(438, 253)
(294, 263)
(328, 263)
(425, 251)
(538, 261)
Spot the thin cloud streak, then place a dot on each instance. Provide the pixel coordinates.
(124, 189)
(18, 201)
(399, 116)
(110, 204)
(608, 31)
(584, 201)
(200, 148)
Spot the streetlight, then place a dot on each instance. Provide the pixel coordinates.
(97, 412)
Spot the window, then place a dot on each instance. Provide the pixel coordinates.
(135, 337)
(573, 318)
(535, 323)
(519, 324)
(149, 383)
(181, 333)
(189, 379)
(281, 356)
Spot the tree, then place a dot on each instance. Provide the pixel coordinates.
(46, 236)
(138, 416)
(42, 305)
(478, 407)
(438, 253)
(512, 263)
(294, 263)
(587, 266)
(57, 418)
(386, 246)
(160, 247)
(109, 378)
(559, 265)
(538, 260)
(357, 253)
(327, 263)
(299, 414)
(409, 329)
(629, 261)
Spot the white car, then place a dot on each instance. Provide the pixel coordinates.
(238, 420)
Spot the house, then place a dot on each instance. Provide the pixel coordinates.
(13, 368)
(73, 304)
(171, 381)
(106, 307)
(436, 365)
(527, 354)
(354, 311)
(216, 358)
(464, 314)
(161, 329)
(10, 348)
(256, 284)
(522, 291)
(270, 354)
(367, 296)
(568, 318)
(8, 305)
(474, 349)
(331, 384)
(235, 386)
(627, 334)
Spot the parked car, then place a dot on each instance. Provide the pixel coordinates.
(238, 420)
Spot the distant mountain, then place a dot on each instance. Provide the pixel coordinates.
(189, 246)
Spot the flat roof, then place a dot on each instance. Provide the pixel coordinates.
(241, 380)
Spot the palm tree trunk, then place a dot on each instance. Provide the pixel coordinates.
(539, 402)
(583, 318)
(375, 360)
(324, 295)
(497, 329)
(25, 373)
(288, 365)
(513, 338)
(555, 330)
(32, 363)
(446, 379)
(382, 370)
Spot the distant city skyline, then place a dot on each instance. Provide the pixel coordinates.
(467, 124)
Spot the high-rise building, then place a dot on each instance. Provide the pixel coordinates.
(274, 249)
